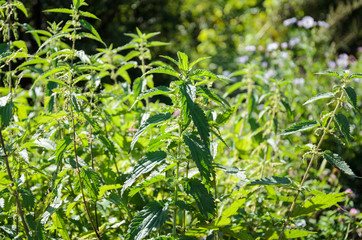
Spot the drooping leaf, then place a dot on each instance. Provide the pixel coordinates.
(19, 5)
(51, 72)
(150, 122)
(197, 61)
(343, 125)
(232, 210)
(28, 199)
(208, 93)
(152, 217)
(54, 37)
(271, 181)
(91, 181)
(318, 202)
(144, 165)
(200, 155)
(145, 184)
(352, 96)
(89, 26)
(300, 126)
(320, 96)
(338, 162)
(60, 10)
(164, 69)
(152, 92)
(330, 73)
(204, 200)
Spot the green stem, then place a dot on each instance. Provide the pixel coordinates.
(309, 166)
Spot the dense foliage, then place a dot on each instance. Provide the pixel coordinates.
(94, 149)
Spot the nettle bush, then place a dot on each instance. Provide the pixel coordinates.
(85, 154)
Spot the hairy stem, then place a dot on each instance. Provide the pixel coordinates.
(309, 166)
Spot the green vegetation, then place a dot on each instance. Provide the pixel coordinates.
(119, 143)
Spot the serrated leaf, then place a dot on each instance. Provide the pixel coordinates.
(355, 75)
(75, 103)
(89, 26)
(159, 142)
(60, 10)
(144, 165)
(91, 181)
(171, 59)
(28, 199)
(4, 179)
(343, 125)
(200, 155)
(6, 112)
(19, 5)
(152, 217)
(109, 145)
(45, 143)
(59, 152)
(232, 210)
(153, 92)
(330, 73)
(202, 73)
(352, 96)
(54, 37)
(204, 200)
(300, 127)
(297, 233)
(32, 62)
(164, 69)
(271, 181)
(197, 61)
(88, 14)
(318, 202)
(183, 60)
(320, 96)
(208, 93)
(50, 210)
(145, 184)
(338, 162)
(50, 73)
(104, 188)
(60, 226)
(251, 104)
(197, 114)
(236, 172)
(150, 122)
(287, 108)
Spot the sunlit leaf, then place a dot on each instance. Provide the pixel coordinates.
(320, 96)
(338, 162)
(300, 127)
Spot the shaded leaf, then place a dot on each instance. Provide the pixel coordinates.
(352, 96)
(152, 92)
(320, 96)
(91, 181)
(343, 125)
(297, 233)
(300, 126)
(145, 184)
(236, 172)
(204, 200)
(232, 210)
(159, 118)
(208, 93)
(6, 112)
(164, 69)
(109, 145)
(338, 162)
(200, 155)
(144, 165)
(152, 217)
(271, 181)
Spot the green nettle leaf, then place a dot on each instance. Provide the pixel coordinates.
(152, 92)
(197, 114)
(330, 73)
(28, 198)
(50, 210)
(149, 219)
(199, 73)
(197, 61)
(355, 75)
(320, 96)
(60, 225)
(60, 10)
(300, 127)
(236, 172)
(225, 217)
(318, 202)
(45, 143)
(343, 125)
(225, 116)
(183, 61)
(145, 184)
(91, 181)
(75, 103)
(297, 233)
(338, 162)
(208, 93)
(4, 179)
(109, 145)
(204, 200)
(200, 155)
(352, 96)
(6, 113)
(287, 108)
(164, 69)
(251, 104)
(144, 165)
(150, 122)
(271, 181)
(51, 72)
(89, 26)
(59, 152)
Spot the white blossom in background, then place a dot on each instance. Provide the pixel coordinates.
(342, 60)
(250, 48)
(284, 55)
(284, 44)
(264, 64)
(242, 59)
(270, 73)
(226, 73)
(307, 22)
(323, 24)
(272, 46)
(332, 64)
(289, 21)
(294, 41)
(299, 81)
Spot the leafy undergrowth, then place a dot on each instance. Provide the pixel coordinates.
(88, 153)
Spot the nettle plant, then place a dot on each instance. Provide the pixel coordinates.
(182, 143)
(332, 122)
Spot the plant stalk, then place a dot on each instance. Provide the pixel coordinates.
(308, 168)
